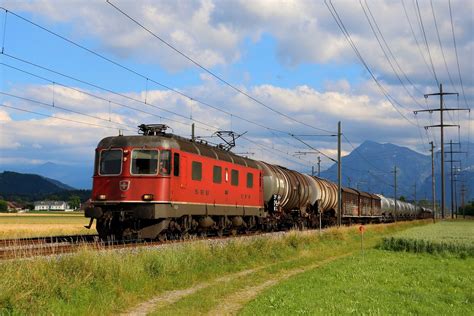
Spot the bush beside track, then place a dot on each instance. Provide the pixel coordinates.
(108, 282)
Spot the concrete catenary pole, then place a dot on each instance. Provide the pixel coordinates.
(433, 187)
(395, 188)
(339, 176)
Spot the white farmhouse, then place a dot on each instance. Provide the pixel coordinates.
(51, 206)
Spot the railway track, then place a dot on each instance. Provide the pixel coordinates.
(58, 245)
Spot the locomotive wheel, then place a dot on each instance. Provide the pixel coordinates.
(106, 233)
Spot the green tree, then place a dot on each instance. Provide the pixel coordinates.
(3, 206)
(402, 198)
(74, 201)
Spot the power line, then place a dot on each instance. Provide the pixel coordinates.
(317, 150)
(98, 87)
(104, 89)
(426, 42)
(362, 60)
(389, 50)
(61, 108)
(441, 46)
(363, 157)
(414, 36)
(387, 57)
(460, 77)
(144, 77)
(96, 96)
(212, 73)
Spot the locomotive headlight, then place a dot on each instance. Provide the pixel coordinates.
(101, 197)
(147, 197)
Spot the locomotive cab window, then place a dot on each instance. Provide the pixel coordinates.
(110, 162)
(217, 174)
(165, 162)
(234, 177)
(176, 164)
(249, 180)
(144, 161)
(196, 171)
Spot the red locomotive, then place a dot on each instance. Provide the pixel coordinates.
(159, 185)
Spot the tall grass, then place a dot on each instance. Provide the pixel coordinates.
(444, 238)
(110, 281)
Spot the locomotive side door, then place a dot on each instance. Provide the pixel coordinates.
(184, 172)
(179, 176)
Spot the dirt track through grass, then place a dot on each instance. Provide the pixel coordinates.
(233, 303)
(171, 297)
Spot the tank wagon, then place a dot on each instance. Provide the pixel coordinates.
(159, 185)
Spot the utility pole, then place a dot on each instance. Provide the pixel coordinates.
(451, 152)
(433, 187)
(395, 188)
(339, 176)
(319, 166)
(463, 192)
(414, 202)
(442, 126)
(303, 153)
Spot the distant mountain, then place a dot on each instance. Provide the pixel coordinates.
(29, 184)
(370, 168)
(78, 176)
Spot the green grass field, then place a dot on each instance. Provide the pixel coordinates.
(381, 283)
(111, 282)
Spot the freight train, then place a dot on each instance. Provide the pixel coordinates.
(157, 185)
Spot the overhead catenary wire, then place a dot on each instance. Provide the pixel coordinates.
(129, 128)
(213, 74)
(271, 130)
(58, 118)
(147, 78)
(102, 98)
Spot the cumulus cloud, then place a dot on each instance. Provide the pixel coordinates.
(361, 115)
(214, 33)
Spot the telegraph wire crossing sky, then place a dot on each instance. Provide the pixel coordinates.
(74, 72)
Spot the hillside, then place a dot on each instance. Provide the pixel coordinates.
(370, 167)
(12, 183)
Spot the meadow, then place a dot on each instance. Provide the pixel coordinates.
(209, 273)
(380, 283)
(22, 225)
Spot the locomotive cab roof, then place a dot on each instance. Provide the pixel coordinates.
(171, 141)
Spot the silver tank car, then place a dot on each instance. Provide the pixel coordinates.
(294, 190)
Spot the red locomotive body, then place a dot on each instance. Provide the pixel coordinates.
(145, 184)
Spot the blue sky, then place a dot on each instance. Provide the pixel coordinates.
(289, 55)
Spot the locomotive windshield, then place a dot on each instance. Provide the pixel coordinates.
(144, 161)
(110, 162)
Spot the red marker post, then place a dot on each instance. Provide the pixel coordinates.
(361, 231)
